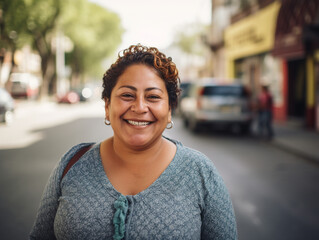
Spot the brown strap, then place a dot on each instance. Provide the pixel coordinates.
(75, 158)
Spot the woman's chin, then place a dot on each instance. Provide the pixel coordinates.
(139, 142)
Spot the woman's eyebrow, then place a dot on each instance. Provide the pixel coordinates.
(153, 88)
(135, 89)
(128, 86)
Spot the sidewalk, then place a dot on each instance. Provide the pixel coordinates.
(32, 116)
(297, 140)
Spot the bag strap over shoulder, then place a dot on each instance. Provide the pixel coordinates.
(75, 158)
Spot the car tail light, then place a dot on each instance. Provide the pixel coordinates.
(199, 100)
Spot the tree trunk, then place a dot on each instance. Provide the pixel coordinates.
(47, 64)
(48, 71)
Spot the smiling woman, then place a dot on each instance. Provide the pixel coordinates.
(140, 90)
(137, 184)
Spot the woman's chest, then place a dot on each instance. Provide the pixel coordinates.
(162, 215)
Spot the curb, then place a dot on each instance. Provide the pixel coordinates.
(296, 152)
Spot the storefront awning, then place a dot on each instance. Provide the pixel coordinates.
(292, 28)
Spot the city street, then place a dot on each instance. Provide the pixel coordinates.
(275, 193)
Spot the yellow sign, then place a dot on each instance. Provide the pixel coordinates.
(252, 35)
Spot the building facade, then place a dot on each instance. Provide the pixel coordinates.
(277, 43)
(297, 45)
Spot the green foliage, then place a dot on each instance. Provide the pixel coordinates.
(95, 33)
(41, 23)
(12, 23)
(42, 14)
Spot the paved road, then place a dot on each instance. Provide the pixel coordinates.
(275, 194)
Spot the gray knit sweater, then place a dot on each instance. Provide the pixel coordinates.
(188, 201)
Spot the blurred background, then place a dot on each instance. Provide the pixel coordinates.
(53, 54)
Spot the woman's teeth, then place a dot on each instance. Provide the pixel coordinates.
(138, 123)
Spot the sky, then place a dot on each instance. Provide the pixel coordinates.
(153, 23)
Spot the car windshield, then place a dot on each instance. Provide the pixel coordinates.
(234, 91)
(23, 84)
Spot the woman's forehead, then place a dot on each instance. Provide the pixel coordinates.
(140, 76)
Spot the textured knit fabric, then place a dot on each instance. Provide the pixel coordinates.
(188, 201)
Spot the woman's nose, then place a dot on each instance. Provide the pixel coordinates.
(139, 106)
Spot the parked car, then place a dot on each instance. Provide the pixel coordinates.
(184, 86)
(6, 106)
(24, 85)
(70, 97)
(219, 105)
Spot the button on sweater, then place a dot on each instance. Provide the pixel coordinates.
(188, 201)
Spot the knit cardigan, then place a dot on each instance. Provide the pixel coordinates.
(188, 201)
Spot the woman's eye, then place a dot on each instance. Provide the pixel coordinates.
(127, 95)
(153, 97)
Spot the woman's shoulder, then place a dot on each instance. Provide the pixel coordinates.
(197, 167)
(68, 155)
(73, 150)
(191, 157)
(197, 160)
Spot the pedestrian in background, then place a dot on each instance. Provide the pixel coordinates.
(265, 114)
(137, 184)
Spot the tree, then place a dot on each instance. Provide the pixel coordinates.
(31, 22)
(94, 31)
(40, 25)
(96, 34)
(12, 19)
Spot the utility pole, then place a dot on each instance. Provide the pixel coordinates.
(60, 64)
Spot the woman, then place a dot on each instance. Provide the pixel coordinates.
(137, 184)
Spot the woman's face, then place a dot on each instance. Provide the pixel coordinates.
(139, 107)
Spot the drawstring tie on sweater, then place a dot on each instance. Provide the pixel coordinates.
(121, 206)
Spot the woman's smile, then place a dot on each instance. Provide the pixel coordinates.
(138, 123)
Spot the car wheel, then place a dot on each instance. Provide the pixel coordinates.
(236, 129)
(8, 117)
(246, 128)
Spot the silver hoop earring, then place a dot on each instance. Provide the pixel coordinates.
(170, 125)
(107, 122)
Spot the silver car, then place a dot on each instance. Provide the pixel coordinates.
(225, 106)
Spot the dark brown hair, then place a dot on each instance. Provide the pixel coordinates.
(150, 56)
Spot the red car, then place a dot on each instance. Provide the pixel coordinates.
(70, 97)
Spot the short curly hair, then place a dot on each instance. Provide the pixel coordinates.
(150, 56)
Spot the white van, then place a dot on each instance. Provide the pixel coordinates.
(24, 85)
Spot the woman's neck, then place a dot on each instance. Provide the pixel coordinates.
(131, 171)
(129, 156)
